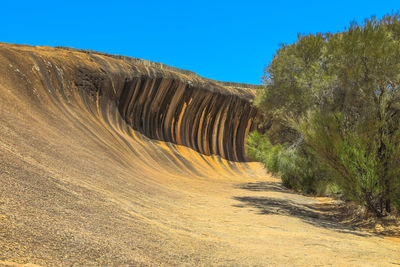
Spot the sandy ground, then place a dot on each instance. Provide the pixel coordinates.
(78, 187)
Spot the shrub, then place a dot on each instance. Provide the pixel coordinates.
(364, 162)
(297, 168)
(339, 94)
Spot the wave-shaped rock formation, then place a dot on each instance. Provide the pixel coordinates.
(173, 106)
(116, 161)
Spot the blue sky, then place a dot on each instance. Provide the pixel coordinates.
(223, 40)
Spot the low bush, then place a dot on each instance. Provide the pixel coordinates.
(297, 168)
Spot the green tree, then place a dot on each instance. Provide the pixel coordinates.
(334, 100)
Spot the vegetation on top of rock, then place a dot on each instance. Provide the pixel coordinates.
(331, 110)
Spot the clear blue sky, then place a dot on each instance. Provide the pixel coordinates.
(223, 40)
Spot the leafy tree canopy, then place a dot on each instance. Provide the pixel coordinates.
(335, 99)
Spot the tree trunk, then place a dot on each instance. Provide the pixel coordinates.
(388, 206)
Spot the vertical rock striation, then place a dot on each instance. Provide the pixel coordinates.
(188, 114)
(161, 102)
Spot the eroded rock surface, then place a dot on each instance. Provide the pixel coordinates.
(174, 106)
(107, 160)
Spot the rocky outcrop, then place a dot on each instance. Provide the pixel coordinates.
(186, 113)
(80, 186)
(162, 102)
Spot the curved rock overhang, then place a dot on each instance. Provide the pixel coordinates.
(172, 105)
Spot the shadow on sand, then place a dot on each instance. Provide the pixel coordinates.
(316, 214)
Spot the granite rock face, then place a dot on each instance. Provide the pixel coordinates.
(162, 102)
(114, 161)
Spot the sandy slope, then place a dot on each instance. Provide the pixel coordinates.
(79, 187)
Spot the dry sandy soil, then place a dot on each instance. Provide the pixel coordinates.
(79, 187)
